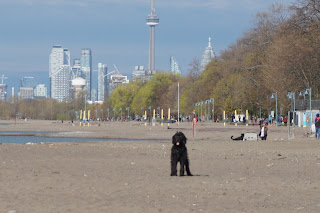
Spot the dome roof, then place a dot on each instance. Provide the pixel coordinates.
(78, 82)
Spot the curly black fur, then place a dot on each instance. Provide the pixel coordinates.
(238, 138)
(179, 153)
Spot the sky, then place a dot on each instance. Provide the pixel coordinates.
(116, 31)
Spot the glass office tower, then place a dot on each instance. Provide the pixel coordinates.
(59, 73)
(86, 69)
(102, 81)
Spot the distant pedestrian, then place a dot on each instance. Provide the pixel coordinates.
(317, 124)
(263, 131)
(285, 120)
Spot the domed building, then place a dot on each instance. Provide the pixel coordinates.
(78, 84)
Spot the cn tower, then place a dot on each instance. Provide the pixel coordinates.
(152, 21)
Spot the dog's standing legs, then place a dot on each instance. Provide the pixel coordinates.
(187, 168)
(174, 168)
(182, 165)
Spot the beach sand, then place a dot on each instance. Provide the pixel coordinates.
(276, 175)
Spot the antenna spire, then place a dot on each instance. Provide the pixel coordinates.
(2, 78)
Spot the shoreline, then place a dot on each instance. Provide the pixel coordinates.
(276, 175)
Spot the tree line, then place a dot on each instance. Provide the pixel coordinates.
(279, 53)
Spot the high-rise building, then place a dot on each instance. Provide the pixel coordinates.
(76, 69)
(174, 66)
(116, 80)
(152, 21)
(207, 56)
(3, 92)
(28, 82)
(26, 93)
(40, 91)
(139, 73)
(94, 95)
(26, 89)
(3, 89)
(62, 84)
(86, 69)
(102, 81)
(59, 73)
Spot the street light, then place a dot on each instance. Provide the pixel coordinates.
(207, 102)
(128, 113)
(303, 94)
(292, 96)
(142, 109)
(211, 100)
(121, 113)
(275, 95)
(158, 108)
(150, 108)
(308, 92)
(108, 113)
(198, 105)
(114, 113)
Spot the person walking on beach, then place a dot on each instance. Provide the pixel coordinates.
(317, 125)
(263, 131)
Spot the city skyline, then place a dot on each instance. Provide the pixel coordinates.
(116, 31)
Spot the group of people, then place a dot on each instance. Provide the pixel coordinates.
(264, 128)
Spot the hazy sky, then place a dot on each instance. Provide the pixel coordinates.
(116, 30)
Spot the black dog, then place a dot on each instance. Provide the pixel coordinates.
(179, 153)
(238, 138)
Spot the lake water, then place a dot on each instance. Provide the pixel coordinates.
(35, 139)
(6, 124)
(28, 136)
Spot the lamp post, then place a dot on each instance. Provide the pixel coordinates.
(292, 96)
(142, 109)
(275, 95)
(108, 114)
(150, 108)
(85, 106)
(114, 113)
(134, 114)
(202, 102)
(158, 108)
(211, 100)
(309, 93)
(120, 113)
(127, 108)
(196, 104)
(198, 109)
(304, 93)
(207, 102)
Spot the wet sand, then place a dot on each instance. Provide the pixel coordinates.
(277, 175)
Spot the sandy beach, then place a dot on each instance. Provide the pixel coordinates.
(276, 175)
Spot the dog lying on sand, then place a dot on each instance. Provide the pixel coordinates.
(240, 138)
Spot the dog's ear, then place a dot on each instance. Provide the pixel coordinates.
(174, 139)
(184, 138)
